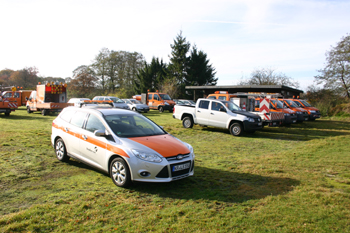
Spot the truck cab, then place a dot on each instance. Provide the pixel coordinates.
(302, 114)
(314, 113)
(156, 100)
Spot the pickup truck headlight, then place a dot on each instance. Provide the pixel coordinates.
(147, 156)
(286, 114)
(251, 119)
(299, 113)
(312, 111)
(166, 103)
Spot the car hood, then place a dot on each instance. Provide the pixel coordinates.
(141, 105)
(247, 114)
(312, 108)
(170, 102)
(166, 145)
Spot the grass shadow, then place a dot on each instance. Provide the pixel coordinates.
(218, 185)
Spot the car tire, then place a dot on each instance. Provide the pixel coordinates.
(161, 109)
(60, 150)
(187, 122)
(28, 110)
(119, 172)
(236, 129)
(44, 112)
(7, 114)
(134, 109)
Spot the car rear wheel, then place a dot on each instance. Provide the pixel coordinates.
(161, 109)
(187, 122)
(28, 110)
(119, 172)
(60, 149)
(236, 129)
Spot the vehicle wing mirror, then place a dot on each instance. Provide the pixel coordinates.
(100, 133)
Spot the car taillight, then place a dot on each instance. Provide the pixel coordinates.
(174, 110)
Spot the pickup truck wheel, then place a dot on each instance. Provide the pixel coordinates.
(236, 129)
(187, 122)
(119, 172)
(60, 149)
(28, 110)
(161, 109)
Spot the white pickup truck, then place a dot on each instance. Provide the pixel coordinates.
(218, 113)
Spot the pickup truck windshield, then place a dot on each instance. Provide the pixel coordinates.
(125, 126)
(165, 96)
(232, 107)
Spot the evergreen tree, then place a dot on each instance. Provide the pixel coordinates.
(200, 72)
(179, 61)
(150, 76)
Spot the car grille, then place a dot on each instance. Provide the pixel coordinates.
(172, 158)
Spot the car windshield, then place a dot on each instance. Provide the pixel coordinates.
(135, 101)
(306, 103)
(277, 103)
(231, 106)
(116, 100)
(292, 103)
(165, 96)
(126, 126)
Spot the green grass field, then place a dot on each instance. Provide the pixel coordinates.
(286, 179)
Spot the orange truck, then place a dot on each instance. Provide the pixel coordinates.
(7, 107)
(48, 98)
(314, 113)
(254, 104)
(156, 100)
(302, 114)
(290, 117)
(20, 97)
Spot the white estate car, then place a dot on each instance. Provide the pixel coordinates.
(136, 105)
(125, 144)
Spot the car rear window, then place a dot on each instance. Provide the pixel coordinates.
(78, 119)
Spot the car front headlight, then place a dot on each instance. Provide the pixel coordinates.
(147, 156)
(286, 114)
(251, 119)
(166, 103)
(312, 111)
(299, 112)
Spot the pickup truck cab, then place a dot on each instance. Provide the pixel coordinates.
(218, 113)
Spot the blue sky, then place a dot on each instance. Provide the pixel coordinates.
(57, 36)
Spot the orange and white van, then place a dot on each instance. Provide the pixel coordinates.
(314, 113)
(18, 96)
(302, 114)
(156, 100)
(7, 107)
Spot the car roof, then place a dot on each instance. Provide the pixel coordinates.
(103, 110)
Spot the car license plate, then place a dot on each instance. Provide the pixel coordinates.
(306, 118)
(294, 121)
(260, 123)
(181, 167)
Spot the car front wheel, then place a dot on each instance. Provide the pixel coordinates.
(60, 149)
(119, 172)
(236, 129)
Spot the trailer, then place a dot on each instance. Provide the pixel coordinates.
(48, 98)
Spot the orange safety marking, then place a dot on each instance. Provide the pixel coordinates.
(165, 145)
(94, 141)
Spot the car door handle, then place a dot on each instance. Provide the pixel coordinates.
(66, 129)
(85, 137)
(198, 111)
(212, 113)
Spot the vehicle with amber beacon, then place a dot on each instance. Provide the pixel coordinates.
(156, 100)
(314, 113)
(7, 107)
(48, 98)
(17, 95)
(302, 114)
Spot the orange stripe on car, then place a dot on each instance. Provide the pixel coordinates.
(165, 145)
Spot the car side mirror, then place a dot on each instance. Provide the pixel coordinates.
(100, 133)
